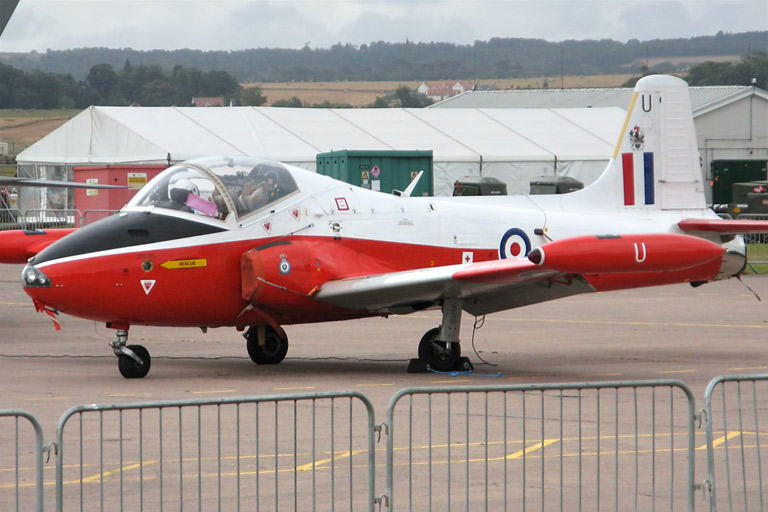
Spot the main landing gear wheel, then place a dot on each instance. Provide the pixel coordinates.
(439, 355)
(265, 345)
(129, 367)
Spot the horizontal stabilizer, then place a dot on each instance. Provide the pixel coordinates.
(723, 226)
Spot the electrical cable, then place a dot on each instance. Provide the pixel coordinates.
(479, 322)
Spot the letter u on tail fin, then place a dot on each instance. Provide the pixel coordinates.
(655, 163)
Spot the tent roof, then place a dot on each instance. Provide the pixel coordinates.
(110, 135)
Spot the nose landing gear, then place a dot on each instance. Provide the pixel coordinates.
(133, 361)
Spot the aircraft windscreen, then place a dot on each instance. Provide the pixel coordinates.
(218, 187)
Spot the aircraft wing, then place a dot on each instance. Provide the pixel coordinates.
(485, 287)
(551, 271)
(723, 226)
(29, 182)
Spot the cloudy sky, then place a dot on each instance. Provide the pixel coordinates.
(239, 24)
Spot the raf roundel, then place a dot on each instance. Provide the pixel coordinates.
(514, 244)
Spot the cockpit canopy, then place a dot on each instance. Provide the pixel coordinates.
(219, 187)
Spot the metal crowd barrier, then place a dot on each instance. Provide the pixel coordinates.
(21, 460)
(576, 447)
(288, 452)
(528, 447)
(736, 410)
(46, 219)
(10, 218)
(91, 216)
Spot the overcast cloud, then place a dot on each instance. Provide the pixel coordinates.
(239, 24)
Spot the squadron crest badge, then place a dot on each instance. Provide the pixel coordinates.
(636, 137)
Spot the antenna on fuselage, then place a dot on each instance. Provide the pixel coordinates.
(408, 191)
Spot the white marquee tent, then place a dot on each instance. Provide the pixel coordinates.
(513, 145)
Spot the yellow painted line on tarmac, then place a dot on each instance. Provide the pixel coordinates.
(98, 477)
(295, 388)
(533, 448)
(452, 381)
(676, 371)
(214, 392)
(129, 395)
(375, 385)
(16, 304)
(749, 368)
(722, 439)
(607, 375)
(315, 464)
(636, 323)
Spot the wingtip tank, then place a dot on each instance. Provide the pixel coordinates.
(626, 253)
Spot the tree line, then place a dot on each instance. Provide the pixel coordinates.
(150, 85)
(409, 61)
(132, 85)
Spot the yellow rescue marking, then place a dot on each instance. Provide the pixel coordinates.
(171, 264)
(314, 464)
(289, 389)
(533, 448)
(720, 440)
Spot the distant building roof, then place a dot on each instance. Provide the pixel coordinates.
(702, 98)
(208, 102)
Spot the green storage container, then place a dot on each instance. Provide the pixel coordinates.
(727, 172)
(383, 171)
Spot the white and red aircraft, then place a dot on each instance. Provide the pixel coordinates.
(243, 242)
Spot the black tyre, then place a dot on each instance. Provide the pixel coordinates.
(273, 350)
(439, 355)
(129, 367)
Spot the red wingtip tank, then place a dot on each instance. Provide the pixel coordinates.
(626, 253)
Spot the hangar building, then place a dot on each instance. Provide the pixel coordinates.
(731, 121)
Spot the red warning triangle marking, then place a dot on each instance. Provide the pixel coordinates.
(295, 214)
(268, 226)
(147, 284)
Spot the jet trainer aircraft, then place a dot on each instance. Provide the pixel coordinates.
(243, 242)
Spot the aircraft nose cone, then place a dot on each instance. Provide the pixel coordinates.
(33, 277)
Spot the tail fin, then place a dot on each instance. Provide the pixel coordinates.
(655, 164)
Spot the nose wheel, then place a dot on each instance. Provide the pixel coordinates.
(133, 361)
